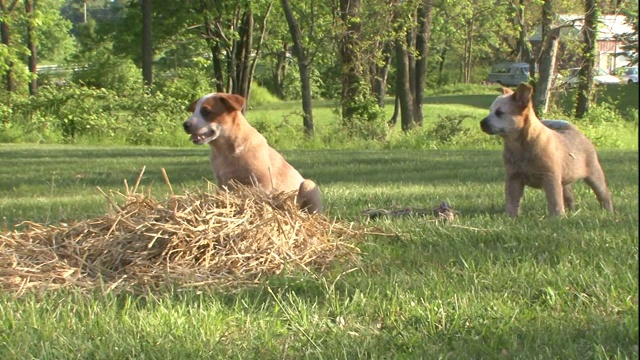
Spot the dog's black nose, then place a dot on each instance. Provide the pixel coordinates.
(186, 125)
(484, 125)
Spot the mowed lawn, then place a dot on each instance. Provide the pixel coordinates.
(483, 287)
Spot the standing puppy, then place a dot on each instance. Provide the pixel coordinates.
(239, 153)
(542, 154)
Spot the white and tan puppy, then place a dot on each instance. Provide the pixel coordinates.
(550, 155)
(239, 153)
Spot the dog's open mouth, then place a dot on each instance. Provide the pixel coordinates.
(203, 137)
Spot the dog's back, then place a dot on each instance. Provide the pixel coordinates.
(580, 156)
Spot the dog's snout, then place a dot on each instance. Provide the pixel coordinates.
(187, 125)
(485, 126)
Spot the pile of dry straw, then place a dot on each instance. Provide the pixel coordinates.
(207, 237)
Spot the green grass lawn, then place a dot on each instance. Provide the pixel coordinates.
(483, 287)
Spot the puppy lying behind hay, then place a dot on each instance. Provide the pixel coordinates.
(542, 154)
(239, 153)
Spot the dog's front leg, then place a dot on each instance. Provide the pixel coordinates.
(567, 195)
(553, 190)
(513, 191)
(309, 198)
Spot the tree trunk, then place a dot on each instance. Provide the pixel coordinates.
(254, 59)
(396, 111)
(280, 71)
(589, 31)
(351, 66)
(29, 6)
(468, 45)
(304, 67)
(546, 57)
(380, 74)
(231, 56)
(243, 61)
(422, 48)
(547, 71)
(443, 58)
(147, 43)
(523, 48)
(403, 86)
(213, 38)
(547, 21)
(410, 49)
(5, 36)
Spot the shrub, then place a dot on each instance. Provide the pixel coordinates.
(367, 120)
(106, 71)
(448, 132)
(261, 96)
(185, 84)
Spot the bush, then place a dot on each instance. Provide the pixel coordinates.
(367, 120)
(448, 132)
(75, 114)
(261, 96)
(185, 84)
(105, 71)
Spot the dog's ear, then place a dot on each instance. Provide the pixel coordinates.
(192, 107)
(232, 101)
(505, 90)
(522, 96)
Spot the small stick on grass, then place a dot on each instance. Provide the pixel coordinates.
(135, 187)
(166, 180)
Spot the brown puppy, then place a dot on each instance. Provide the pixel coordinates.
(239, 153)
(542, 154)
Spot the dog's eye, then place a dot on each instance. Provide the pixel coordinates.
(499, 112)
(205, 111)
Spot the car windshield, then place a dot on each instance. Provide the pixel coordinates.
(631, 71)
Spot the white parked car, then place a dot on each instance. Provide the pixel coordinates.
(600, 77)
(630, 75)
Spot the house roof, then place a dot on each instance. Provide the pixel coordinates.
(609, 26)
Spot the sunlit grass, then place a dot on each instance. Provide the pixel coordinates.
(485, 286)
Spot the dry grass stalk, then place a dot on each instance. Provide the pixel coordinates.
(198, 238)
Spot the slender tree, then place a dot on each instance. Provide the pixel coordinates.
(546, 59)
(304, 66)
(589, 32)
(423, 33)
(280, 70)
(352, 74)
(29, 6)
(147, 43)
(5, 35)
(403, 85)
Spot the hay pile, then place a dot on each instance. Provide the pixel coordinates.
(194, 239)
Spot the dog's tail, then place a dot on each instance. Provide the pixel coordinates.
(309, 197)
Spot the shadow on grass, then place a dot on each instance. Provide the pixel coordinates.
(72, 167)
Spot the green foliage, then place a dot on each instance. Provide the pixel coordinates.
(96, 66)
(184, 84)
(104, 71)
(83, 115)
(366, 119)
(448, 132)
(261, 96)
(630, 10)
(447, 129)
(75, 114)
(55, 43)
